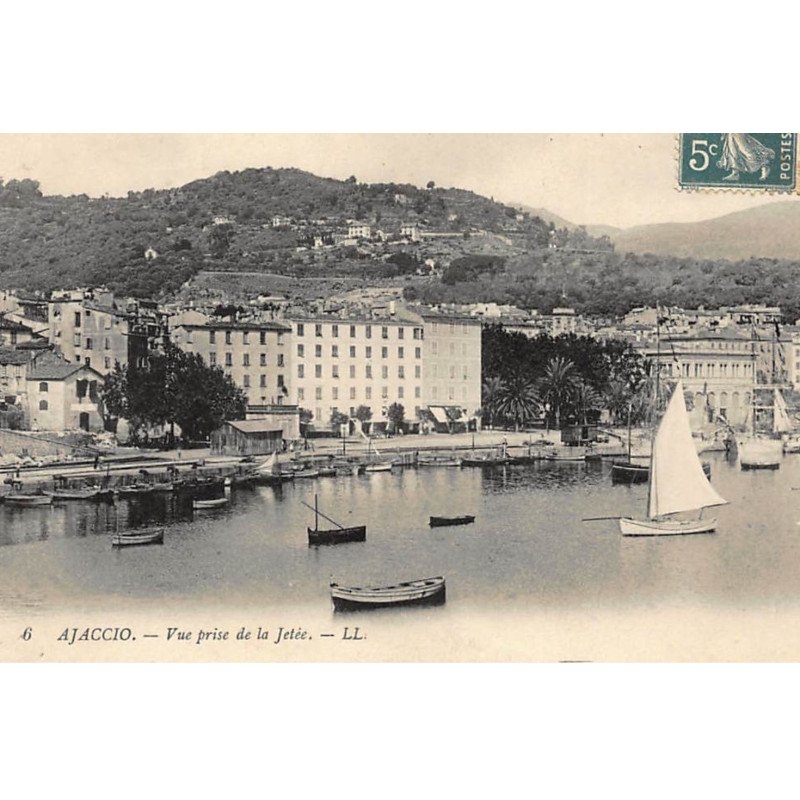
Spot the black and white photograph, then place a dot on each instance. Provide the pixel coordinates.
(392, 397)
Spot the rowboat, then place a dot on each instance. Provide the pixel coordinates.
(217, 502)
(629, 472)
(29, 500)
(134, 538)
(327, 472)
(163, 486)
(134, 490)
(337, 535)
(441, 522)
(676, 481)
(378, 466)
(426, 591)
(306, 473)
(433, 461)
(485, 461)
(90, 494)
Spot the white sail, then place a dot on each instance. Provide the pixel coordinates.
(677, 480)
(781, 422)
(269, 466)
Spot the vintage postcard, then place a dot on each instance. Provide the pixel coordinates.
(372, 397)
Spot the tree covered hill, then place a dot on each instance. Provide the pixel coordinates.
(222, 222)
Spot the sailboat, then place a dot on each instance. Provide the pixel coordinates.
(677, 482)
(337, 535)
(376, 466)
(268, 472)
(760, 451)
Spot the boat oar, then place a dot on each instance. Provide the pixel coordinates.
(592, 519)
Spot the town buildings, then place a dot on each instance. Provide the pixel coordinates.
(256, 355)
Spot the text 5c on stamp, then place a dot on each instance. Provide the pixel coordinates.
(749, 161)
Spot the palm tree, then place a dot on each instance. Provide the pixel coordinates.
(587, 398)
(491, 393)
(519, 400)
(557, 386)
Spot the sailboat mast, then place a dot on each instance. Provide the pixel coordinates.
(316, 512)
(655, 407)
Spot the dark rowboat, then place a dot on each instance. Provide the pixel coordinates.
(337, 535)
(440, 522)
(488, 461)
(92, 495)
(134, 538)
(629, 472)
(426, 591)
(135, 490)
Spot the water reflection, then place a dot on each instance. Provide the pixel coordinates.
(527, 546)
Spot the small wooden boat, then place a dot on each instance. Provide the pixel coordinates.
(216, 502)
(134, 490)
(434, 461)
(426, 591)
(327, 472)
(306, 473)
(485, 461)
(163, 486)
(630, 472)
(134, 538)
(378, 466)
(337, 535)
(441, 522)
(23, 500)
(89, 494)
(792, 444)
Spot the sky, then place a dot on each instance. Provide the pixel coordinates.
(612, 179)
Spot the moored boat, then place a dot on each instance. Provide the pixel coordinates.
(216, 502)
(134, 538)
(438, 461)
(337, 535)
(134, 490)
(425, 591)
(441, 522)
(629, 472)
(89, 494)
(676, 481)
(23, 500)
(378, 466)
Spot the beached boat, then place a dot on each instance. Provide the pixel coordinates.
(23, 500)
(441, 522)
(337, 535)
(135, 538)
(425, 591)
(677, 482)
(216, 502)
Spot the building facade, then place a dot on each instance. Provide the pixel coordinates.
(452, 363)
(256, 355)
(341, 364)
(718, 369)
(64, 396)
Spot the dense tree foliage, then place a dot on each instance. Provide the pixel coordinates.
(172, 388)
(564, 378)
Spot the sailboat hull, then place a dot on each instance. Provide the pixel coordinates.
(760, 454)
(665, 527)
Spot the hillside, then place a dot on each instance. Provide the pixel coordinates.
(225, 223)
(769, 231)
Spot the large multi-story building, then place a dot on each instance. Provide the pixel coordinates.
(341, 364)
(451, 366)
(90, 326)
(256, 355)
(718, 368)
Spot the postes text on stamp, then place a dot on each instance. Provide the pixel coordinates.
(749, 161)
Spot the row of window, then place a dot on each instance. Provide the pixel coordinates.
(262, 362)
(262, 381)
(318, 414)
(301, 351)
(212, 336)
(699, 370)
(318, 393)
(434, 346)
(417, 333)
(401, 371)
(452, 371)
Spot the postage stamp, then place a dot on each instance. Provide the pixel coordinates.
(749, 161)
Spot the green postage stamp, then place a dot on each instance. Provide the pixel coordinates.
(749, 161)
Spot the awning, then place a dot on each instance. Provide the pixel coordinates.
(439, 414)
